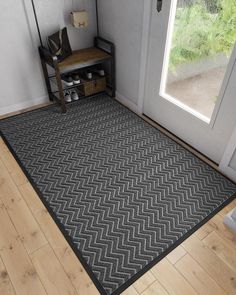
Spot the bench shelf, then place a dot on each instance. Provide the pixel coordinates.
(103, 53)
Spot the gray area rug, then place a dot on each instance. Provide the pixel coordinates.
(123, 194)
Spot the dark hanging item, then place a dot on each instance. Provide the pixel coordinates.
(59, 44)
(159, 5)
(37, 23)
(97, 18)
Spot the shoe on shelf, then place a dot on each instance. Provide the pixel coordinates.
(74, 95)
(76, 79)
(89, 75)
(67, 96)
(100, 72)
(67, 80)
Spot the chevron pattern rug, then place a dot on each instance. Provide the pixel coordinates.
(123, 194)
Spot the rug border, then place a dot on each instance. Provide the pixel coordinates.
(56, 220)
(70, 241)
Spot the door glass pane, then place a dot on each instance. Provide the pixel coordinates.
(202, 34)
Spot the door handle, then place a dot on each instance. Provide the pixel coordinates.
(159, 5)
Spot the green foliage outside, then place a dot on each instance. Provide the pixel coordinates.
(202, 30)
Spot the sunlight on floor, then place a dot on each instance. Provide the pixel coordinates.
(199, 92)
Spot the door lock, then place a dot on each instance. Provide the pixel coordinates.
(159, 5)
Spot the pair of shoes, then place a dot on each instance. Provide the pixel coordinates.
(71, 80)
(71, 95)
(89, 75)
(100, 72)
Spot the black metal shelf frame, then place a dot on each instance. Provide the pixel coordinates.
(47, 59)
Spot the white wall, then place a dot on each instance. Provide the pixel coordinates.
(121, 21)
(55, 14)
(21, 79)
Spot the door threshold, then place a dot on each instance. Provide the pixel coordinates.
(181, 142)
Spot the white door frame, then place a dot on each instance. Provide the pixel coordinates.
(147, 9)
(229, 154)
(228, 73)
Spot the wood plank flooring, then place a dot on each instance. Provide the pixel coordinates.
(36, 259)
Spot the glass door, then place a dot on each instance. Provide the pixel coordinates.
(201, 37)
(190, 78)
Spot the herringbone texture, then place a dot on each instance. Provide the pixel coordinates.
(123, 191)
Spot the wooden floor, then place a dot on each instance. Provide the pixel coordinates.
(36, 259)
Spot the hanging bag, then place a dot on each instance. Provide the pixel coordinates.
(59, 44)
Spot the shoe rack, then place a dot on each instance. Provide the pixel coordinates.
(101, 56)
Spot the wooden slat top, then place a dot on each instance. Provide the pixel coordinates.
(83, 57)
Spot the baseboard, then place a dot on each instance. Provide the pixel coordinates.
(127, 102)
(23, 105)
(229, 172)
(33, 102)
